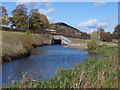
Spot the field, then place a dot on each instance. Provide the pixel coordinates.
(82, 44)
(12, 42)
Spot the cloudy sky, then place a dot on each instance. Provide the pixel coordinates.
(86, 16)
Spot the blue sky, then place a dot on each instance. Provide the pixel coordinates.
(86, 16)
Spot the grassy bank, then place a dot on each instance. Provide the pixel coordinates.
(82, 43)
(93, 73)
(13, 43)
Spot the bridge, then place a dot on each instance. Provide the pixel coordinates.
(60, 40)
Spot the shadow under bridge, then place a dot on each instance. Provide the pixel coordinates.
(60, 40)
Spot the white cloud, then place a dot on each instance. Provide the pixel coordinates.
(92, 24)
(43, 11)
(99, 3)
(89, 23)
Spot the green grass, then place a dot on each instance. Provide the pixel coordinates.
(83, 41)
(93, 73)
(12, 42)
(81, 44)
(78, 41)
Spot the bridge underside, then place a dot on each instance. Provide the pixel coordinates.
(60, 40)
(57, 42)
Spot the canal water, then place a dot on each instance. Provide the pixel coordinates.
(43, 62)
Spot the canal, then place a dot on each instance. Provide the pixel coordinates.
(43, 62)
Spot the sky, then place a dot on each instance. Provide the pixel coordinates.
(85, 16)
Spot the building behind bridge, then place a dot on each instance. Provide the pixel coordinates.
(51, 30)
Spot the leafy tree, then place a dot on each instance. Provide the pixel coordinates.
(106, 37)
(5, 18)
(20, 18)
(37, 21)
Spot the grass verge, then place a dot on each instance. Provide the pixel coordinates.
(82, 44)
(15, 43)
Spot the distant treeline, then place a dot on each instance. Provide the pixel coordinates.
(80, 36)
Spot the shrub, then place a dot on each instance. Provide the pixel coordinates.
(93, 45)
(27, 44)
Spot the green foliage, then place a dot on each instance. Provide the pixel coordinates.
(37, 21)
(20, 18)
(93, 45)
(5, 18)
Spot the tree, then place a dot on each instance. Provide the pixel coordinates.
(100, 31)
(114, 35)
(117, 29)
(106, 37)
(117, 32)
(37, 21)
(5, 18)
(20, 18)
(84, 35)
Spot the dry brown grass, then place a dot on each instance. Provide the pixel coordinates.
(12, 42)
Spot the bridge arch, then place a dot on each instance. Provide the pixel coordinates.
(60, 40)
